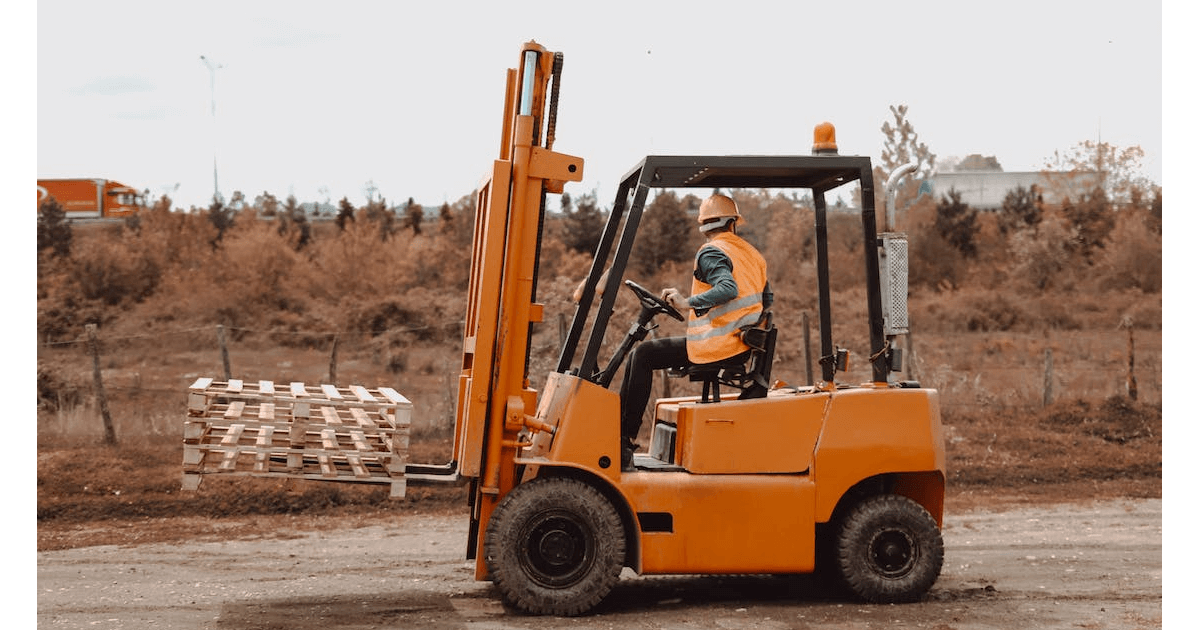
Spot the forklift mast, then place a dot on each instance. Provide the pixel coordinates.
(494, 397)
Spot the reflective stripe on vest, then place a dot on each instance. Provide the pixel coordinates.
(714, 335)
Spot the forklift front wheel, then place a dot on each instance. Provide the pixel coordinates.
(554, 546)
(889, 550)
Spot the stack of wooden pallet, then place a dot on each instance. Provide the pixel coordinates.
(323, 432)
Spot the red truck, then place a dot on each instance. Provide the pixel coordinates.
(91, 198)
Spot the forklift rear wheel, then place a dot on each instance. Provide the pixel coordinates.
(889, 550)
(554, 547)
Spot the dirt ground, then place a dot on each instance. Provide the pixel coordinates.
(1093, 564)
(1057, 522)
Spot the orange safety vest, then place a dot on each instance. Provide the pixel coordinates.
(715, 335)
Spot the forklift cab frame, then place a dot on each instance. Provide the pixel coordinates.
(818, 173)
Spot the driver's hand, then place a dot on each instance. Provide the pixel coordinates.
(676, 299)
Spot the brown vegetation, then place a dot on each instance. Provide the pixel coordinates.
(379, 294)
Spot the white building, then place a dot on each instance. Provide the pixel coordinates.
(985, 190)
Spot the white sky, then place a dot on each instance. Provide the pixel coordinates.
(317, 99)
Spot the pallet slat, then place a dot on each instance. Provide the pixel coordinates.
(262, 443)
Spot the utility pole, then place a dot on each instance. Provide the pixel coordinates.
(212, 86)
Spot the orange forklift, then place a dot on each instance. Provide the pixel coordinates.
(742, 479)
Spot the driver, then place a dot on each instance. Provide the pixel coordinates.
(729, 290)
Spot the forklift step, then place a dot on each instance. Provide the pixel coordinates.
(642, 461)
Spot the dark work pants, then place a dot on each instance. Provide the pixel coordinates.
(656, 354)
(647, 356)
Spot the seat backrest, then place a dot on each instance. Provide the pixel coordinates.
(762, 356)
(752, 376)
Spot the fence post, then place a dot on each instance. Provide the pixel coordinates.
(224, 351)
(1048, 380)
(333, 361)
(1130, 380)
(110, 435)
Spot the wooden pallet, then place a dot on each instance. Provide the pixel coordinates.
(298, 431)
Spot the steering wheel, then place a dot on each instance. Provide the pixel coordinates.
(653, 302)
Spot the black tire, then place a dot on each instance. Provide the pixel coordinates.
(554, 547)
(889, 550)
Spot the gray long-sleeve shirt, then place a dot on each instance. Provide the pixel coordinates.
(714, 267)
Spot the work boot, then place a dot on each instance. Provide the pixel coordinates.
(627, 449)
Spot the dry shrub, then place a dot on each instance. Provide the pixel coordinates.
(1093, 310)
(174, 239)
(1042, 256)
(978, 310)
(846, 267)
(1069, 442)
(421, 314)
(113, 273)
(252, 275)
(969, 310)
(790, 246)
(351, 263)
(932, 261)
(104, 275)
(258, 270)
(989, 268)
(63, 316)
(356, 265)
(1144, 312)
(559, 261)
(1117, 419)
(55, 391)
(299, 330)
(1055, 313)
(1132, 256)
(112, 269)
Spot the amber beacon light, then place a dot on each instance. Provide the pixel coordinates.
(824, 139)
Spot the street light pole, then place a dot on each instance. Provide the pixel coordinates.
(212, 86)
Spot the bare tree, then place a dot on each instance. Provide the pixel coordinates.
(1087, 165)
(900, 145)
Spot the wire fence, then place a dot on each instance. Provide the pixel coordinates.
(105, 386)
(1010, 372)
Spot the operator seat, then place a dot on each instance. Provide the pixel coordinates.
(751, 375)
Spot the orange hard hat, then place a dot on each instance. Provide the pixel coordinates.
(718, 206)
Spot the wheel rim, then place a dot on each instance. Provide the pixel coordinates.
(893, 553)
(557, 548)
